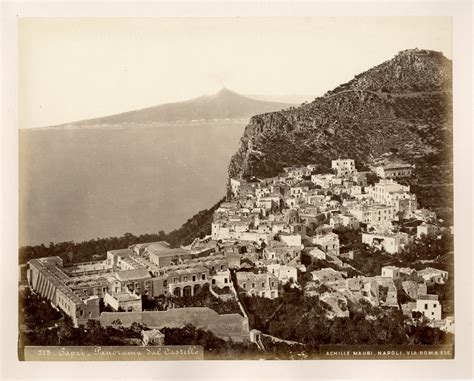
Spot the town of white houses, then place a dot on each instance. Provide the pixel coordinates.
(302, 259)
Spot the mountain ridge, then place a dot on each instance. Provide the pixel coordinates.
(225, 104)
(403, 105)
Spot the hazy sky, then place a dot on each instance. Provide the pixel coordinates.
(73, 69)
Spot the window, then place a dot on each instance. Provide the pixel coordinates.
(244, 285)
(253, 285)
(165, 283)
(203, 276)
(185, 279)
(434, 305)
(175, 280)
(426, 306)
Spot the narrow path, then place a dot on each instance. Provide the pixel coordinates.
(278, 340)
(268, 319)
(409, 94)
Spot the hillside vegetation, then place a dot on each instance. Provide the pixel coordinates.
(403, 105)
(198, 225)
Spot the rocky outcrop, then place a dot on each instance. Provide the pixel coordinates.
(412, 70)
(403, 105)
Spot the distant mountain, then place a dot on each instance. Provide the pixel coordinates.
(401, 107)
(225, 104)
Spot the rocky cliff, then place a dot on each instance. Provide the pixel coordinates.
(402, 107)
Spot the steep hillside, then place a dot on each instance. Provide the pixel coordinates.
(225, 104)
(403, 105)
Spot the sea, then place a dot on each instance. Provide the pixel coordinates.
(94, 182)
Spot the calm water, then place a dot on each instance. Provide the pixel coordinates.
(83, 184)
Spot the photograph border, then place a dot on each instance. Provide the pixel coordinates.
(459, 367)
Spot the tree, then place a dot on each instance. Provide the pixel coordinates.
(403, 297)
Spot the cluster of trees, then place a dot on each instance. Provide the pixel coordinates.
(64, 333)
(299, 318)
(422, 334)
(72, 252)
(445, 294)
(216, 348)
(318, 264)
(291, 317)
(433, 183)
(369, 261)
(158, 303)
(402, 296)
(42, 324)
(348, 236)
(428, 248)
(222, 291)
(204, 298)
(437, 253)
(259, 310)
(35, 311)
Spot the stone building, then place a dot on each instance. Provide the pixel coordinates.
(46, 277)
(264, 285)
(343, 167)
(394, 171)
(429, 306)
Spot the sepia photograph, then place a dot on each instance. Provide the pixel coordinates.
(218, 188)
(236, 194)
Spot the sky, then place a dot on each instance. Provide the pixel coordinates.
(73, 69)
